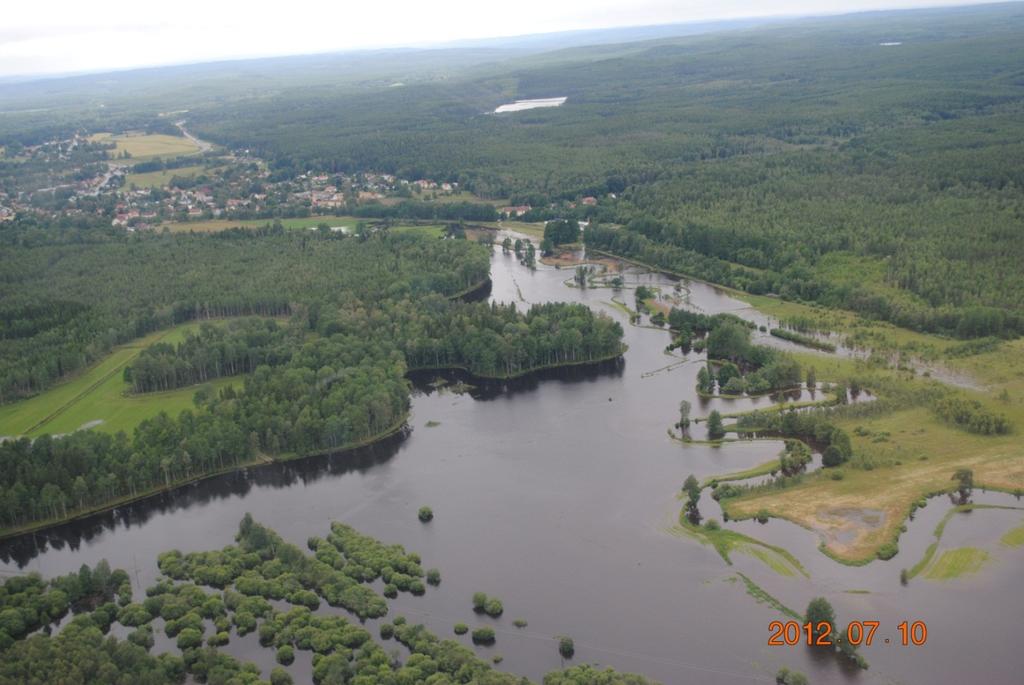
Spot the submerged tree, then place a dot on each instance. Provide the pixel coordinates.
(965, 484)
(716, 430)
(684, 415)
(705, 381)
(822, 618)
(691, 486)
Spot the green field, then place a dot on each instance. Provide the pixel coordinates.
(435, 231)
(349, 222)
(159, 179)
(726, 542)
(1014, 538)
(99, 394)
(143, 147)
(214, 225)
(958, 562)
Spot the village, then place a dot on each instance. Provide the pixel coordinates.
(97, 177)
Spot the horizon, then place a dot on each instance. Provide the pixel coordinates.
(32, 50)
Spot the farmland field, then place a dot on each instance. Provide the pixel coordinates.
(214, 225)
(348, 222)
(147, 146)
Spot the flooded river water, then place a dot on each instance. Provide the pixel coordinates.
(558, 494)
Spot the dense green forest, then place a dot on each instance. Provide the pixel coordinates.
(232, 590)
(830, 167)
(68, 299)
(240, 346)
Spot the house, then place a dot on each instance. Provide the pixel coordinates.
(589, 201)
(517, 210)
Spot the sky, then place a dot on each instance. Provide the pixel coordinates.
(69, 36)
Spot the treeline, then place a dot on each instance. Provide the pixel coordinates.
(431, 211)
(811, 426)
(970, 415)
(736, 364)
(161, 164)
(68, 300)
(802, 339)
(489, 340)
(495, 340)
(239, 346)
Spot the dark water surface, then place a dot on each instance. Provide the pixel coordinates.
(557, 495)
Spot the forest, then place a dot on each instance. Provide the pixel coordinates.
(68, 298)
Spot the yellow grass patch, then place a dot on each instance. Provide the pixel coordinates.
(144, 146)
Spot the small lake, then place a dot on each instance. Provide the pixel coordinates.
(520, 105)
(557, 494)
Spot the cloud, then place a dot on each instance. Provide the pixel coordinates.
(73, 36)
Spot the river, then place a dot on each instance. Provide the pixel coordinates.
(557, 495)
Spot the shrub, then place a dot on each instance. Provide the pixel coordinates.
(483, 636)
(390, 590)
(832, 457)
(279, 676)
(143, 637)
(218, 639)
(494, 607)
(887, 551)
(461, 629)
(788, 677)
(434, 576)
(417, 587)
(712, 524)
(735, 386)
(386, 631)
(566, 647)
(519, 623)
(285, 655)
(479, 601)
(189, 638)
(133, 615)
(245, 622)
(725, 491)
(426, 514)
